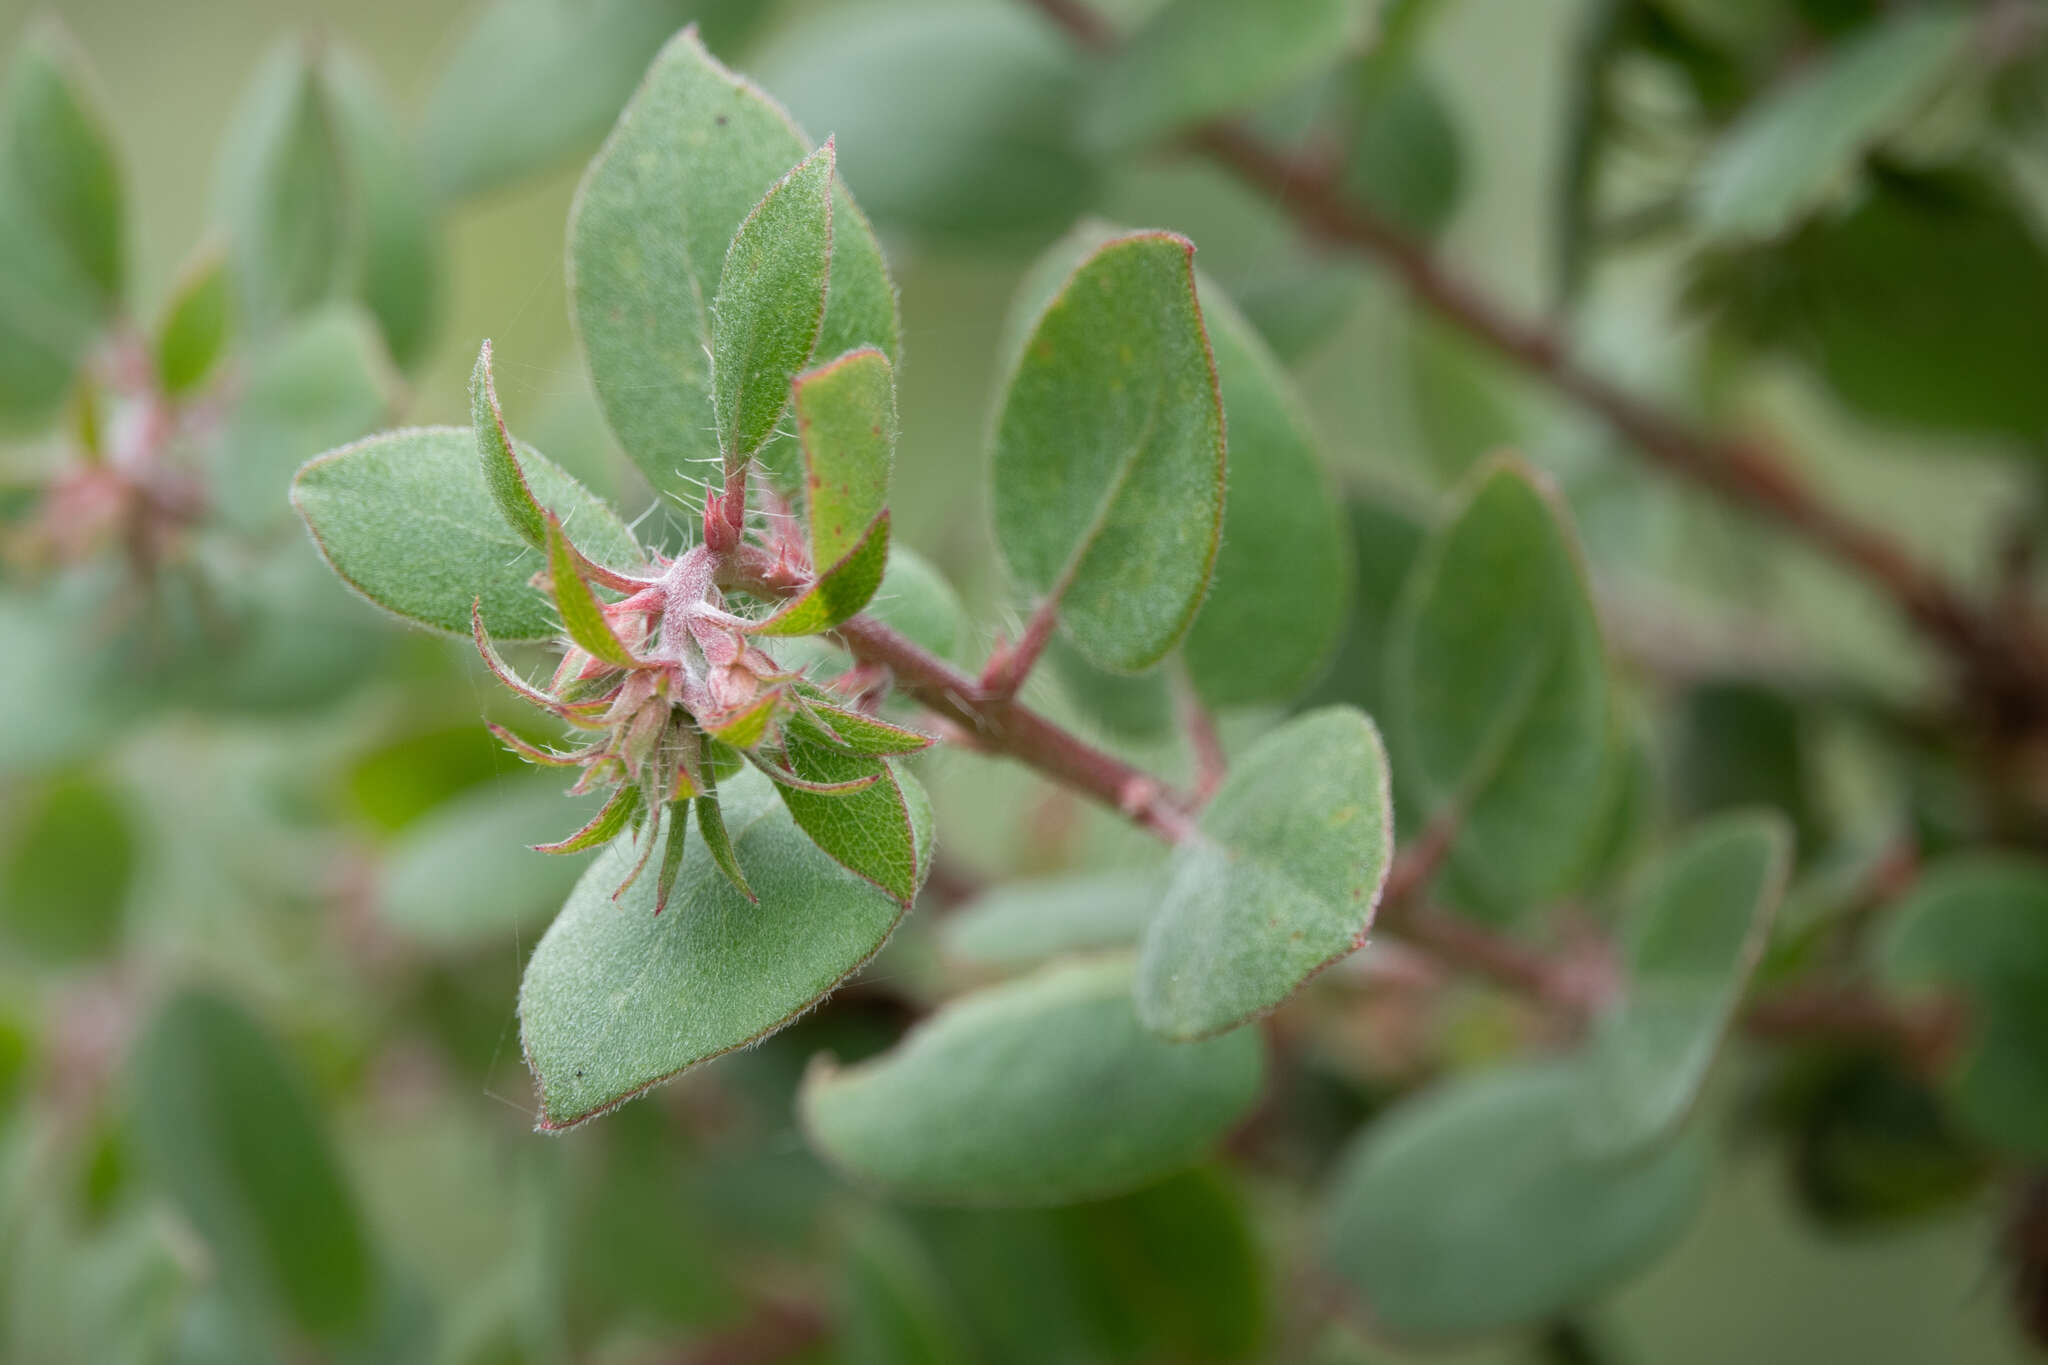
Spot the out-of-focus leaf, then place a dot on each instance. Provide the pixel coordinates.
(1017, 924)
(1462, 407)
(1041, 1091)
(70, 862)
(1941, 264)
(893, 1307)
(405, 519)
(1742, 744)
(467, 873)
(1497, 689)
(693, 152)
(1974, 924)
(1197, 59)
(1689, 945)
(400, 780)
(770, 304)
(1798, 142)
(1109, 461)
(234, 1139)
(955, 121)
(324, 382)
(397, 269)
(195, 325)
(1281, 881)
(1136, 707)
(617, 999)
(282, 190)
(1280, 592)
(1385, 539)
(1474, 1207)
(1405, 158)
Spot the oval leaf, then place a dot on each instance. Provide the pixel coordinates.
(1281, 880)
(1473, 1207)
(405, 519)
(1109, 466)
(1042, 1091)
(617, 999)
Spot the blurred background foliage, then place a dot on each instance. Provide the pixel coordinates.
(262, 909)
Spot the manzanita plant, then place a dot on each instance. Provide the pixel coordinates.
(1278, 756)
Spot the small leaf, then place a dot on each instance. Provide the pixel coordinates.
(610, 822)
(231, 1135)
(1405, 157)
(500, 463)
(1797, 143)
(1689, 945)
(676, 834)
(1974, 923)
(1280, 593)
(195, 325)
(693, 152)
(745, 726)
(770, 305)
(839, 591)
(711, 821)
(863, 734)
(59, 159)
(1473, 1208)
(582, 617)
(1019, 924)
(466, 874)
(1041, 1091)
(405, 519)
(68, 871)
(1280, 881)
(846, 427)
(1497, 690)
(1109, 465)
(617, 999)
(1197, 59)
(872, 831)
(282, 191)
(323, 381)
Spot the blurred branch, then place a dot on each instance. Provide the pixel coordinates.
(2005, 662)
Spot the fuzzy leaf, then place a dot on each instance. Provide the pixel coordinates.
(1798, 143)
(582, 617)
(59, 158)
(1974, 923)
(195, 325)
(229, 1132)
(603, 827)
(770, 304)
(711, 821)
(617, 999)
(1022, 923)
(1497, 690)
(863, 734)
(1281, 590)
(1197, 59)
(846, 427)
(693, 152)
(497, 459)
(1109, 465)
(404, 519)
(282, 191)
(1041, 1091)
(1281, 881)
(839, 591)
(1689, 946)
(323, 381)
(871, 831)
(1472, 1207)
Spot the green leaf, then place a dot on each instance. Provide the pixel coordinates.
(1406, 159)
(59, 159)
(498, 460)
(955, 122)
(872, 832)
(1689, 945)
(846, 425)
(68, 870)
(1473, 1207)
(582, 618)
(194, 330)
(1019, 924)
(1385, 540)
(711, 821)
(1277, 603)
(1136, 708)
(1197, 59)
(1042, 1091)
(282, 191)
(693, 152)
(770, 305)
(466, 875)
(864, 734)
(839, 591)
(609, 823)
(405, 519)
(234, 1139)
(320, 383)
(1797, 143)
(1280, 881)
(1497, 690)
(892, 1303)
(396, 266)
(1109, 463)
(1974, 924)
(617, 999)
